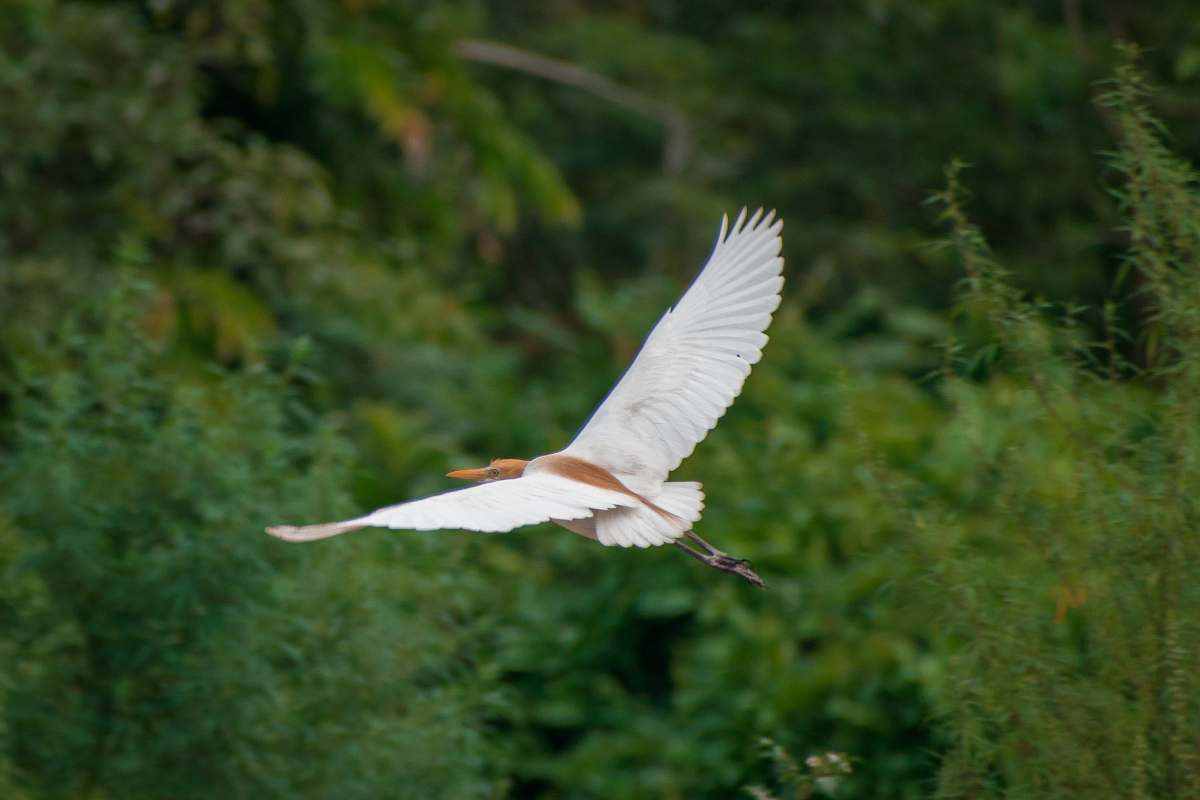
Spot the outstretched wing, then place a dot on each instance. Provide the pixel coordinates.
(490, 507)
(694, 362)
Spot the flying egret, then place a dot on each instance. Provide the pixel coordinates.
(610, 483)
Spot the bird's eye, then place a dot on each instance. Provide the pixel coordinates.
(493, 472)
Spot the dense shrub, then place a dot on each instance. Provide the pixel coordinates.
(157, 644)
(276, 262)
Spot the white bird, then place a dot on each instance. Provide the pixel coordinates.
(610, 483)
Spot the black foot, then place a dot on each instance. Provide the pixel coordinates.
(722, 561)
(736, 566)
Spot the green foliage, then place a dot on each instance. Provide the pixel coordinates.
(1068, 590)
(820, 774)
(347, 236)
(157, 643)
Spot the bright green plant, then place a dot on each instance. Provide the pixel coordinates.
(157, 643)
(1067, 573)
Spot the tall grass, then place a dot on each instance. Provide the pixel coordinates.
(1068, 577)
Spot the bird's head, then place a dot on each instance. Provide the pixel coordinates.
(500, 469)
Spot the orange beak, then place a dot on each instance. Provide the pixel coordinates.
(468, 474)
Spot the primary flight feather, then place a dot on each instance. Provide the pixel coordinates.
(610, 483)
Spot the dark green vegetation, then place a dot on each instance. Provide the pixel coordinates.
(279, 262)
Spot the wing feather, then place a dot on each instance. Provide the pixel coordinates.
(487, 507)
(695, 360)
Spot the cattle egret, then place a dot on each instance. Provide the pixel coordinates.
(610, 483)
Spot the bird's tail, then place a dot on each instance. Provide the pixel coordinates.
(684, 499)
(664, 517)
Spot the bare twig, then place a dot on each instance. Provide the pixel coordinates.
(1074, 20)
(677, 143)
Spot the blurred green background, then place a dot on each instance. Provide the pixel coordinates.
(266, 262)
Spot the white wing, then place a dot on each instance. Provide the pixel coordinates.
(694, 362)
(491, 507)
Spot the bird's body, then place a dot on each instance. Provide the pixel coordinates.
(610, 483)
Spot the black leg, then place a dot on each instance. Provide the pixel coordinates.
(701, 557)
(722, 561)
(708, 548)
